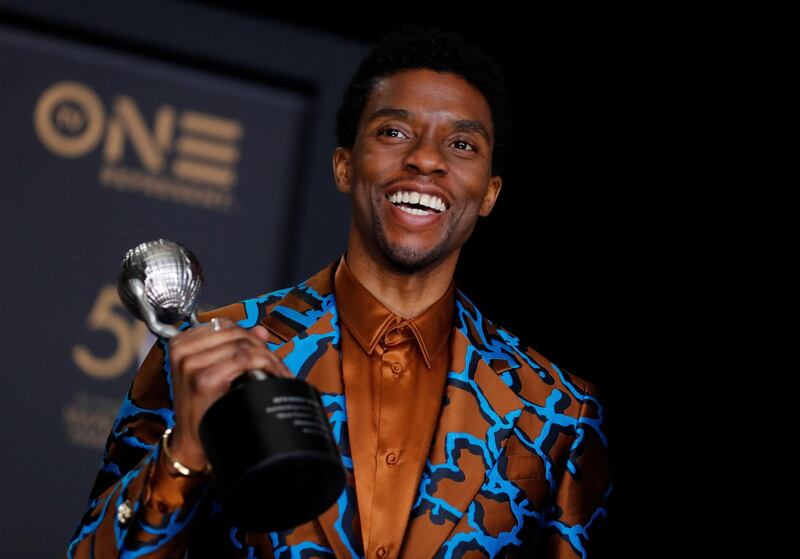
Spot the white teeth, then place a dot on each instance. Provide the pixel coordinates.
(416, 198)
(414, 211)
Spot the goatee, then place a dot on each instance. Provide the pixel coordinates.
(405, 260)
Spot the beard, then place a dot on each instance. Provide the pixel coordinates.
(407, 260)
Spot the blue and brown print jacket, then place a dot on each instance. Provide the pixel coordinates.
(518, 467)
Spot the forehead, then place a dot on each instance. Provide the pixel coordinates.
(430, 95)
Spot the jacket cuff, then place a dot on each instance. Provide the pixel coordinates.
(160, 508)
(166, 492)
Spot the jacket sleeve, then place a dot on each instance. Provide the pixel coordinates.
(136, 509)
(575, 525)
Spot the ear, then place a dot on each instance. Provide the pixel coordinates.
(493, 190)
(341, 169)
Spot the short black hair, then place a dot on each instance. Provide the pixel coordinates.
(413, 46)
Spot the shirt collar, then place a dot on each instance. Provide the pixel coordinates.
(368, 320)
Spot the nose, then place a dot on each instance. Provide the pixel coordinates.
(425, 157)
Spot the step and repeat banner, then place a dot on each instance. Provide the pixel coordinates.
(101, 150)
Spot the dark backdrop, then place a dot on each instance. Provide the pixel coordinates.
(658, 218)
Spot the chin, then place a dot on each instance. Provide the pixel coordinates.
(403, 258)
(410, 260)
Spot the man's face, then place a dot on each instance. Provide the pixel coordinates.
(421, 134)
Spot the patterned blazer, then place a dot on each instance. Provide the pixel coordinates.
(518, 466)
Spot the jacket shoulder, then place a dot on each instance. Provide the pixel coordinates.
(285, 311)
(528, 373)
(539, 377)
(247, 311)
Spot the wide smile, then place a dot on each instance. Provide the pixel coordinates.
(414, 214)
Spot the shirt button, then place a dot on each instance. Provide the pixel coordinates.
(381, 551)
(396, 368)
(391, 458)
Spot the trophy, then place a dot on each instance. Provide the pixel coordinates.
(273, 457)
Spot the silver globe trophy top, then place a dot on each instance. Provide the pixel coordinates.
(159, 282)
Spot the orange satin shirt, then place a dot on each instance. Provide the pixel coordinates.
(394, 372)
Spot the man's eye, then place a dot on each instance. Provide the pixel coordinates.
(389, 132)
(465, 143)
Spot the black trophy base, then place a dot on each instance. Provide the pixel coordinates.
(274, 459)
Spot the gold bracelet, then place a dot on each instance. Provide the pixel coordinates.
(180, 468)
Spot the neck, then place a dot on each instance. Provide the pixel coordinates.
(406, 295)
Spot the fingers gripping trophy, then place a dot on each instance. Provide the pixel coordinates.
(240, 415)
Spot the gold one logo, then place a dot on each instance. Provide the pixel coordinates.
(69, 119)
(188, 156)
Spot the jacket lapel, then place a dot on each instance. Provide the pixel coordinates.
(478, 413)
(307, 323)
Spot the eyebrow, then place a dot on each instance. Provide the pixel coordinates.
(464, 124)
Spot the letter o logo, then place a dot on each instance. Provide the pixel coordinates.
(69, 119)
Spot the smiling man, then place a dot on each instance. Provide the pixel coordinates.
(419, 173)
(458, 440)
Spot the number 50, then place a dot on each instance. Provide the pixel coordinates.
(127, 333)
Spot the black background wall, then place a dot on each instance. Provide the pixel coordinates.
(653, 192)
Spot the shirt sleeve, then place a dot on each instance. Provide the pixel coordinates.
(136, 508)
(575, 525)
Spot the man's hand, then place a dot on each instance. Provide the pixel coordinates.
(204, 362)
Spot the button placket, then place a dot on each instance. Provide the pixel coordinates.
(397, 384)
(394, 356)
